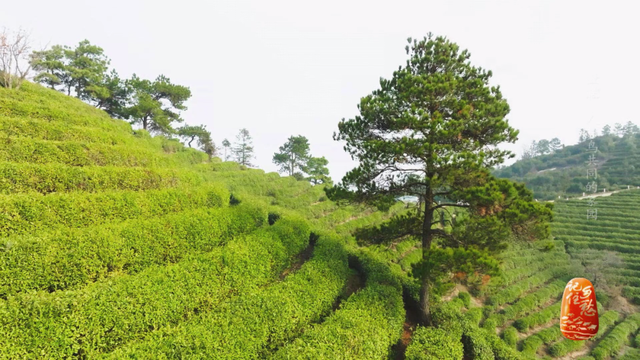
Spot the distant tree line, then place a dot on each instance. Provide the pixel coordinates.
(542, 147)
(545, 147)
(156, 105)
(618, 130)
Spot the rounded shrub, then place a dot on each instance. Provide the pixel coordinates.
(434, 344)
(466, 299)
(510, 336)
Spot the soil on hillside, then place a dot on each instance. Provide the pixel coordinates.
(354, 283)
(301, 258)
(411, 320)
(622, 305)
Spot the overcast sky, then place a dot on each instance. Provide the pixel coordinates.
(282, 68)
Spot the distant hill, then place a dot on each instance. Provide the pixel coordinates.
(564, 172)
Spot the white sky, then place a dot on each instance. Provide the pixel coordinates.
(282, 68)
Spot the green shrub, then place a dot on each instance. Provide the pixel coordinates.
(531, 344)
(493, 322)
(473, 316)
(611, 344)
(566, 346)
(51, 178)
(475, 344)
(632, 293)
(466, 299)
(542, 317)
(35, 212)
(253, 326)
(72, 153)
(434, 344)
(548, 246)
(513, 292)
(141, 133)
(105, 315)
(534, 300)
(510, 336)
(412, 258)
(630, 354)
(38, 129)
(501, 351)
(602, 297)
(448, 316)
(36, 102)
(74, 257)
(375, 313)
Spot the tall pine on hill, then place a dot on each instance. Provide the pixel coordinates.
(432, 131)
(243, 148)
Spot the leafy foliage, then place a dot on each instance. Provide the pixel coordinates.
(433, 343)
(317, 169)
(466, 298)
(81, 68)
(148, 108)
(116, 243)
(191, 133)
(293, 155)
(510, 336)
(113, 94)
(51, 66)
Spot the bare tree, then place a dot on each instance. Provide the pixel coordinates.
(14, 58)
(596, 267)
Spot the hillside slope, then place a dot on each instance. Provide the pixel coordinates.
(564, 173)
(115, 244)
(110, 238)
(515, 315)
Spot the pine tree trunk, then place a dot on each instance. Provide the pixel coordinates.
(427, 238)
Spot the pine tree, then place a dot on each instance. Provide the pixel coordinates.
(433, 131)
(243, 148)
(293, 155)
(227, 145)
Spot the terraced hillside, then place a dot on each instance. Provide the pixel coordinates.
(610, 244)
(515, 315)
(116, 243)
